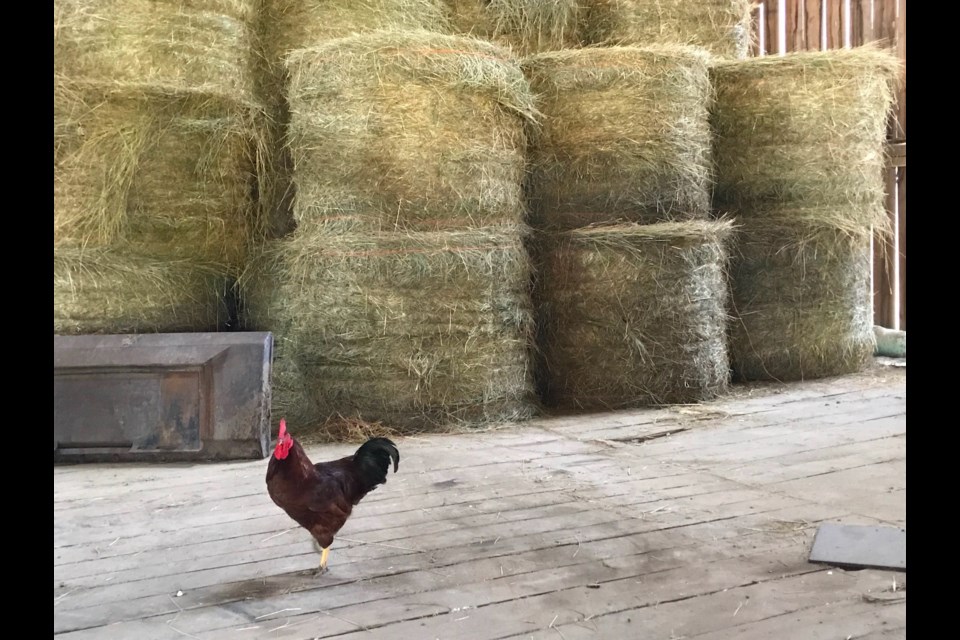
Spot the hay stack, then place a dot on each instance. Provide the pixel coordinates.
(418, 330)
(527, 26)
(626, 136)
(167, 174)
(723, 27)
(156, 140)
(288, 25)
(120, 291)
(196, 45)
(799, 151)
(407, 131)
(634, 314)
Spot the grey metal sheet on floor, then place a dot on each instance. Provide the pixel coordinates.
(859, 546)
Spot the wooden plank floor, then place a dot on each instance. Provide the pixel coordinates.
(687, 522)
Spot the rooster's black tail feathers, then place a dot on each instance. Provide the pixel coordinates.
(372, 460)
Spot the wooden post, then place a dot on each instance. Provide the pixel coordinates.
(889, 256)
(758, 29)
(813, 13)
(864, 18)
(772, 11)
(834, 24)
(856, 21)
(796, 25)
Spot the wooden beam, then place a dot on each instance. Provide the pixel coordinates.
(834, 24)
(772, 10)
(758, 28)
(796, 25)
(857, 9)
(813, 14)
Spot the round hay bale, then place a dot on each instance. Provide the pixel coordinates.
(288, 25)
(633, 314)
(169, 174)
(201, 45)
(802, 303)
(423, 330)
(625, 136)
(804, 133)
(407, 131)
(723, 27)
(526, 26)
(799, 149)
(120, 291)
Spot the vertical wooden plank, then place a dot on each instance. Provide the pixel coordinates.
(884, 21)
(856, 21)
(834, 24)
(885, 32)
(756, 47)
(771, 14)
(882, 267)
(865, 16)
(796, 25)
(812, 12)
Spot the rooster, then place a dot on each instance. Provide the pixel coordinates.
(320, 497)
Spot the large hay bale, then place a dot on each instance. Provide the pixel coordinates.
(800, 152)
(527, 26)
(168, 174)
(723, 27)
(120, 291)
(200, 45)
(407, 131)
(288, 25)
(633, 314)
(420, 330)
(801, 301)
(625, 137)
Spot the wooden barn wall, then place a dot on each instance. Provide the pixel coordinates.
(797, 25)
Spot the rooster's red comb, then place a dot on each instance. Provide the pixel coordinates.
(283, 428)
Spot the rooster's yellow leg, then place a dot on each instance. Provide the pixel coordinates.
(323, 559)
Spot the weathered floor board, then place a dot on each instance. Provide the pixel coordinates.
(685, 522)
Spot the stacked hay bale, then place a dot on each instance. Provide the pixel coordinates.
(799, 151)
(635, 314)
(155, 145)
(723, 27)
(630, 294)
(402, 296)
(526, 26)
(625, 136)
(289, 25)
